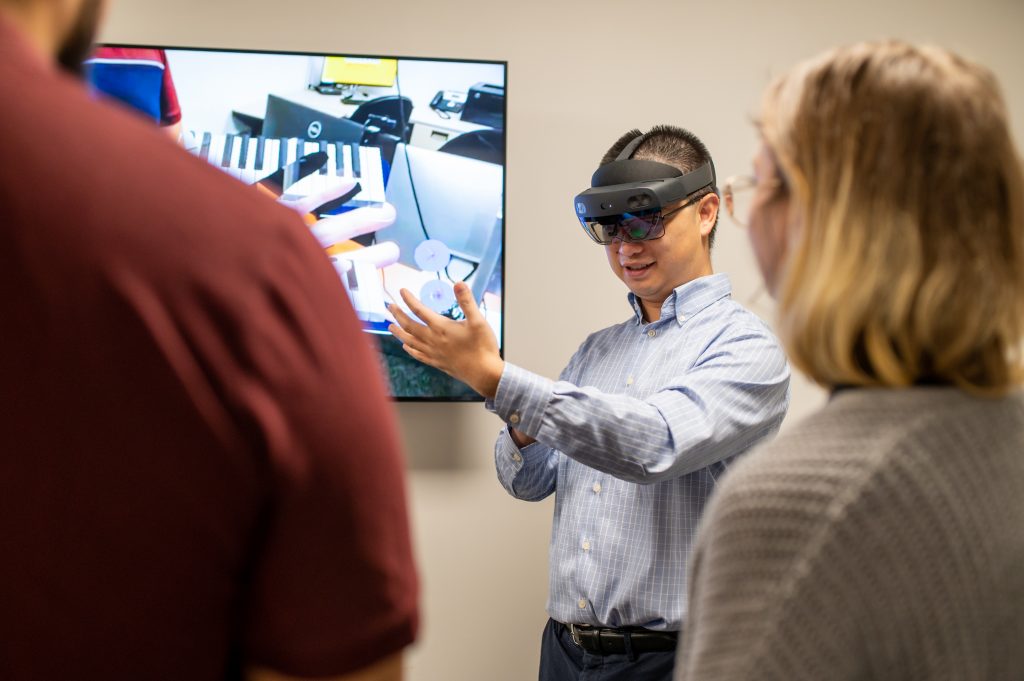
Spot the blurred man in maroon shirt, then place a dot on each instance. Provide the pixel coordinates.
(199, 470)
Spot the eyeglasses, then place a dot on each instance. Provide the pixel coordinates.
(738, 197)
(641, 225)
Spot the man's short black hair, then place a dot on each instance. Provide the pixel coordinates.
(672, 145)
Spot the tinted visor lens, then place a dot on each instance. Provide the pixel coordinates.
(638, 226)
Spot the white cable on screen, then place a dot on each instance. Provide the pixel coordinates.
(381, 255)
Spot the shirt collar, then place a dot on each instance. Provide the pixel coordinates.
(688, 299)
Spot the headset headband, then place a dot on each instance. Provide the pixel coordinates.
(627, 185)
(628, 150)
(625, 169)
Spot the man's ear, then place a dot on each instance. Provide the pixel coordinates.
(707, 210)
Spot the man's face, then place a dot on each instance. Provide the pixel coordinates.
(653, 269)
(77, 45)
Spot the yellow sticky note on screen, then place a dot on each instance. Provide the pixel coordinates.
(360, 71)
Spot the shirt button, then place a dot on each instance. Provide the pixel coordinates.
(629, 380)
(582, 603)
(652, 333)
(586, 544)
(517, 457)
(514, 418)
(597, 488)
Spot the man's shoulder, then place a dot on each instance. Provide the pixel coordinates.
(733, 314)
(121, 182)
(111, 198)
(727, 326)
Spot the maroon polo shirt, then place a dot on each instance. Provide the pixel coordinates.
(199, 467)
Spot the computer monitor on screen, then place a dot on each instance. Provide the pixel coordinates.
(438, 195)
(447, 223)
(285, 119)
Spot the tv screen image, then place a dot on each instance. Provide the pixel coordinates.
(423, 200)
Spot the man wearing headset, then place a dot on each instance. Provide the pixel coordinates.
(642, 422)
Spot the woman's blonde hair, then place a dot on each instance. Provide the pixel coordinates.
(906, 257)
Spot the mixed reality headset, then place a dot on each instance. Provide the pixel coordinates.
(627, 196)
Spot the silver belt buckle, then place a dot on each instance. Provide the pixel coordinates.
(575, 635)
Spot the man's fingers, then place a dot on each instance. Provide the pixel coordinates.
(406, 324)
(353, 223)
(410, 344)
(417, 355)
(408, 340)
(419, 309)
(316, 190)
(464, 296)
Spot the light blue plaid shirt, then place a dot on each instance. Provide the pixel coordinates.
(633, 437)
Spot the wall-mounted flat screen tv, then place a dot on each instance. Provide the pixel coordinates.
(408, 155)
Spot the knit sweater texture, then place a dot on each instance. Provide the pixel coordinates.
(880, 538)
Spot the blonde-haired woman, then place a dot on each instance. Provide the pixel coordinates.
(883, 536)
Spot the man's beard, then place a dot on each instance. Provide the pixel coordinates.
(77, 47)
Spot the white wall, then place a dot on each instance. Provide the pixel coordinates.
(580, 74)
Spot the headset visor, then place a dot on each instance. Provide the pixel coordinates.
(641, 225)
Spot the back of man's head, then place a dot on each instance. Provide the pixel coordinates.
(668, 144)
(64, 31)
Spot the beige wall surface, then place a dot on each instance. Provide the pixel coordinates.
(580, 74)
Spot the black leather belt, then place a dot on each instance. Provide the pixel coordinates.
(604, 641)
